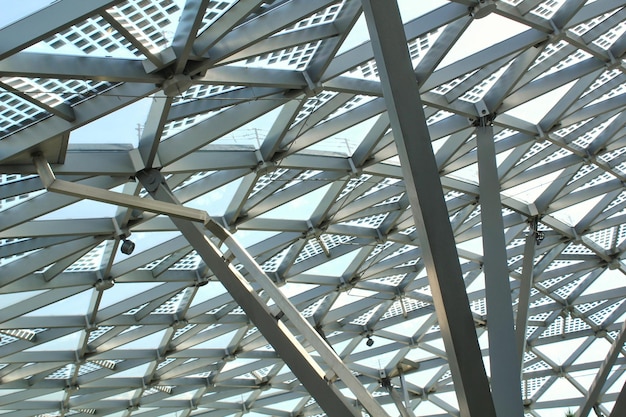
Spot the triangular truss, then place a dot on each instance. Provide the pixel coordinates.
(270, 116)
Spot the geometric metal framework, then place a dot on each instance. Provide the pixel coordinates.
(268, 117)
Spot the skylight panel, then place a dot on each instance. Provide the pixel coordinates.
(327, 15)
(89, 262)
(188, 263)
(604, 238)
(550, 51)
(572, 59)
(478, 92)
(13, 199)
(371, 222)
(149, 26)
(202, 91)
(292, 58)
(274, 262)
(418, 48)
(619, 90)
(176, 126)
(312, 104)
(297, 57)
(214, 10)
(311, 249)
(585, 27)
(445, 88)
(353, 103)
(547, 9)
(403, 307)
(267, 179)
(583, 140)
(608, 39)
(17, 113)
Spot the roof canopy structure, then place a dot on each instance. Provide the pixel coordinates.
(216, 207)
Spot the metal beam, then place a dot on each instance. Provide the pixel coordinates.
(526, 285)
(505, 376)
(97, 194)
(66, 67)
(153, 129)
(277, 334)
(188, 26)
(423, 186)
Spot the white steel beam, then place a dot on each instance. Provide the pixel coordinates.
(185, 36)
(97, 194)
(153, 129)
(505, 376)
(44, 65)
(423, 186)
(525, 288)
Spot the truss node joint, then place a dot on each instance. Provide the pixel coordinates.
(179, 323)
(104, 284)
(132, 406)
(176, 84)
(486, 118)
(278, 279)
(72, 388)
(482, 9)
(354, 171)
(312, 88)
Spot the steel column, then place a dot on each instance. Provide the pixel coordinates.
(526, 284)
(505, 376)
(423, 187)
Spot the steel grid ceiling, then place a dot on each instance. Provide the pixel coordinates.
(269, 115)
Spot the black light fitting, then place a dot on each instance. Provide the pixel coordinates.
(128, 246)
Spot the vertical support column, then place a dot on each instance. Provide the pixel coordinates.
(423, 187)
(526, 285)
(503, 354)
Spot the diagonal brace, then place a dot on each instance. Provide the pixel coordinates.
(279, 336)
(193, 224)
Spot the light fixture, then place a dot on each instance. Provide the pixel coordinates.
(128, 246)
(539, 236)
(369, 341)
